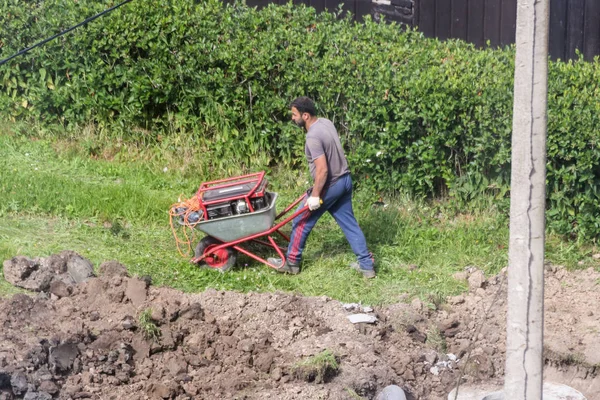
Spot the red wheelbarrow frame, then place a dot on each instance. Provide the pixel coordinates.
(257, 190)
(254, 238)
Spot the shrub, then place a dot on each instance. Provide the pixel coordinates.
(426, 117)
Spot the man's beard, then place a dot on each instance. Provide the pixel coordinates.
(301, 123)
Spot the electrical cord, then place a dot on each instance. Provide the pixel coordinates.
(88, 20)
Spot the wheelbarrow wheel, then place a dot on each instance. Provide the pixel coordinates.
(222, 259)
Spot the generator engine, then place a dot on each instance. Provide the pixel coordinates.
(226, 200)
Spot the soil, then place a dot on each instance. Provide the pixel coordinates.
(112, 336)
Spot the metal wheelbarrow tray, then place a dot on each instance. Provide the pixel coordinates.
(228, 229)
(225, 235)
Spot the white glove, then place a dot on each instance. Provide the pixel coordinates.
(313, 203)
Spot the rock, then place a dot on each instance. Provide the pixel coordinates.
(430, 357)
(415, 334)
(60, 289)
(48, 387)
(4, 380)
(460, 299)
(246, 345)
(128, 323)
(461, 276)
(351, 306)
(408, 375)
(26, 273)
(209, 353)
(417, 305)
(177, 365)
(276, 374)
(160, 391)
(37, 396)
(56, 263)
(476, 280)
(113, 268)
(62, 357)
(18, 382)
(79, 268)
(193, 311)
(141, 348)
(158, 313)
(479, 365)
(136, 291)
(264, 361)
(462, 346)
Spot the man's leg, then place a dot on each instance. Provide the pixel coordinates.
(343, 214)
(301, 227)
(303, 224)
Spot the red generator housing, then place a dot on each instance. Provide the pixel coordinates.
(233, 196)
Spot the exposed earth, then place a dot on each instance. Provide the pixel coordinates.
(78, 336)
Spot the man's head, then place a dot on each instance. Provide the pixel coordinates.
(303, 109)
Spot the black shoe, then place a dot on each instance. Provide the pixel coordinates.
(285, 268)
(367, 273)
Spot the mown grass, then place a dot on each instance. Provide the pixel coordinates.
(112, 204)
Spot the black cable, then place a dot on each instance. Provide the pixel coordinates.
(90, 19)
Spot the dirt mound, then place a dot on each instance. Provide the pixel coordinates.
(116, 336)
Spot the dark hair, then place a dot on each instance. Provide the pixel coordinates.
(304, 105)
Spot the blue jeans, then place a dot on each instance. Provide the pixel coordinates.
(337, 199)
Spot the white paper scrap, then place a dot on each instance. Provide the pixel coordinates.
(364, 318)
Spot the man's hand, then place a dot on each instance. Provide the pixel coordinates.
(313, 203)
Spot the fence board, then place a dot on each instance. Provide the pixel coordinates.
(591, 34)
(508, 22)
(491, 21)
(558, 29)
(426, 20)
(574, 24)
(575, 27)
(459, 18)
(443, 21)
(362, 8)
(475, 23)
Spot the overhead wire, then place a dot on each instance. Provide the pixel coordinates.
(88, 20)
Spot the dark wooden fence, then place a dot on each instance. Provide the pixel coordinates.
(574, 24)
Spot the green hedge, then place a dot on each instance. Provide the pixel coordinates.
(431, 118)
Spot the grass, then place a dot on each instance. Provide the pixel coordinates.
(113, 205)
(318, 368)
(147, 325)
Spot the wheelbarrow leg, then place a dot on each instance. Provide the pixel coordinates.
(262, 260)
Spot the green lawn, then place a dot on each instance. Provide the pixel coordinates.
(58, 196)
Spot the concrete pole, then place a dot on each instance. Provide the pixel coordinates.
(525, 319)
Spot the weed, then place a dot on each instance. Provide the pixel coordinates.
(319, 368)
(354, 395)
(147, 325)
(436, 340)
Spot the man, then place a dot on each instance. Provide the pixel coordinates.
(331, 191)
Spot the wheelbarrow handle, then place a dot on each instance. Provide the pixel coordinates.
(294, 204)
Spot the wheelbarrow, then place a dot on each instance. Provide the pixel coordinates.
(225, 236)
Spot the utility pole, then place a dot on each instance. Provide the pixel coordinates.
(525, 319)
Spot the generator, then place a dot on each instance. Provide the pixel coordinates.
(225, 198)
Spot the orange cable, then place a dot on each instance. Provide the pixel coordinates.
(190, 205)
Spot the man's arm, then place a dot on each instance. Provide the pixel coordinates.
(320, 175)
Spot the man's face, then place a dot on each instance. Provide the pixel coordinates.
(297, 117)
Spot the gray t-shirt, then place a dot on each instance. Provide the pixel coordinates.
(322, 138)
